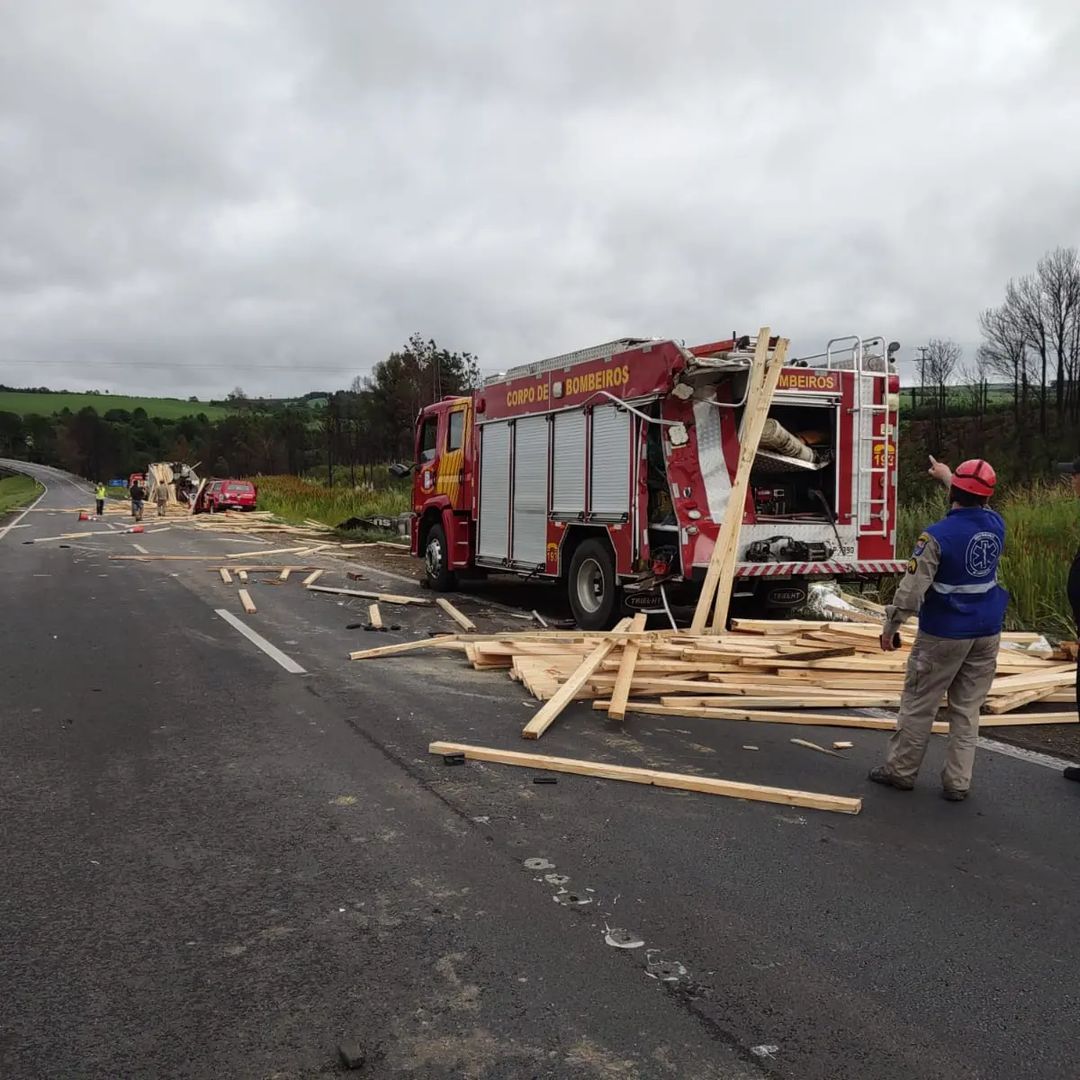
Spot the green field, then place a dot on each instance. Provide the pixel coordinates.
(26, 404)
(17, 491)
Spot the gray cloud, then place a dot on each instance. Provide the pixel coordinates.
(278, 194)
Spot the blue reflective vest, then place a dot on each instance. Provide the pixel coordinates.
(965, 600)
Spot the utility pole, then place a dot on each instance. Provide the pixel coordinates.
(921, 361)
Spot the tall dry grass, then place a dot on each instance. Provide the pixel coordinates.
(297, 499)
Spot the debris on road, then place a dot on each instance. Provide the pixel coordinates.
(247, 602)
(814, 746)
(708, 785)
(462, 620)
(842, 745)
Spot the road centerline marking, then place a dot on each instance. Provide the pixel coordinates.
(275, 654)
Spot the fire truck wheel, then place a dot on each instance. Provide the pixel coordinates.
(592, 586)
(440, 577)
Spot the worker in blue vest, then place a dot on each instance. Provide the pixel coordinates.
(951, 583)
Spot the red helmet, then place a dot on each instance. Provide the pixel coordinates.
(975, 476)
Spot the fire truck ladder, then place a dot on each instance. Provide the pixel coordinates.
(871, 402)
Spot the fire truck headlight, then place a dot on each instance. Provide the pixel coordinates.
(677, 434)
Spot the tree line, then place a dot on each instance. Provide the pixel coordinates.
(356, 429)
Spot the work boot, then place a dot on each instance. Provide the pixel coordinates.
(882, 775)
(952, 794)
(1072, 773)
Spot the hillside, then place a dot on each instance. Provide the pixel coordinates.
(25, 403)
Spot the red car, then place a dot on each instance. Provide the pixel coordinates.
(227, 495)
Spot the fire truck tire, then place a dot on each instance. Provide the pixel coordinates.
(592, 586)
(436, 555)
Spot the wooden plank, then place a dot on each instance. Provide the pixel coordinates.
(829, 720)
(386, 598)
(245, 599)
(883, 701)
(621, 694)
(719, 578)
(653, 777)
(548, 714)
(225, 575)
(461, 619)
(284, 575)
(271, 551)
(313, 577)
(754, 417)
(243, 576)
(375, 616)
(1056, 676)
(403, 647)
(1009, 702)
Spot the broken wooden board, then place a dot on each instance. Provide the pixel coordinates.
(226, 577)
(248, 603)
(462, 620)
(313, 577)
(404, 647)
(653, 777)
(243, 576)
(550, 711)
(621, 693)
(375, 616)
(385, 598)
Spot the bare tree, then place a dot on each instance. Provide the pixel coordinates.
(942, 356)
(1058, 278)
(1004, 352)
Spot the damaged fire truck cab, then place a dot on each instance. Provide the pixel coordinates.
(611, 468)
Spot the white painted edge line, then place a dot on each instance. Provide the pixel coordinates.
(8, 528)
(1033, 757)
(275, 654)
(140, 549)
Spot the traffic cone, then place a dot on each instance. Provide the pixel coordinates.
(83, 515)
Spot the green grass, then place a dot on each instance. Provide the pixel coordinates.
(28, 403)
(17, 491)
(297, 499)
(1042, 535)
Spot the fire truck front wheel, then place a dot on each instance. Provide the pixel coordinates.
(436, 555)
(593, 588)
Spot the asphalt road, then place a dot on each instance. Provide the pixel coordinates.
(215, 867)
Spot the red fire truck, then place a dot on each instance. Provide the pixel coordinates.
(610, 469)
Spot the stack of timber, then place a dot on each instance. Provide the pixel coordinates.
(832, 674)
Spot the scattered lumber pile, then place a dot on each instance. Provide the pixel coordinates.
(830, 674)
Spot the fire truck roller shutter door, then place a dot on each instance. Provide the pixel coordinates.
(568, 484)
(530, 490)
(610, 461)
(493, 526)
(711, 461)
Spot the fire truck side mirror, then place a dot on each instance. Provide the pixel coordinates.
(399, 470)
(677, 434)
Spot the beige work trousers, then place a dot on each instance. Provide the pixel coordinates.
(962, 668)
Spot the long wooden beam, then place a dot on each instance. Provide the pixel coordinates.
(549, 712)
(653, 777)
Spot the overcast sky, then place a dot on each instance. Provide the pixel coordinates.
(276, 194)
